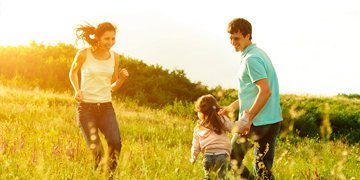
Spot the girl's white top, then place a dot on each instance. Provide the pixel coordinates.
(96, 78)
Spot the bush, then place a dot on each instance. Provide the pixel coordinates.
(156, 86)
(306, 128)
(350, 96)
(354, 136)
(307, 114)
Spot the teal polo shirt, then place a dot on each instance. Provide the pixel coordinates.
(256, 65)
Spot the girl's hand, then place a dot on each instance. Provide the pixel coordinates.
(246, 130)
(123, 74)
(223, 111)
(242, 123)
(78, 96)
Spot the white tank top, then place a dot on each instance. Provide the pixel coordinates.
(96, 78)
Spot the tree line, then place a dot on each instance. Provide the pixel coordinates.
(47, 67)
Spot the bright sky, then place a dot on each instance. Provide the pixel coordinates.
(312, 44)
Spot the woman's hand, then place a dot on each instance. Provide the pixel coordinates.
(123, 74)
(119, 79)
(78, 96)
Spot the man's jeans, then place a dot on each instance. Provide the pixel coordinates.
(92, 117)
(265, 135)
(214, 163)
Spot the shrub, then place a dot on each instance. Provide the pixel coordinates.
(306, 128)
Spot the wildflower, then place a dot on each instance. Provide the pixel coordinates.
(261, 165)
(256, 144)
(14, 146)
(142, 147)
(54, 151)
(33, 156)
(22, 141)
(70, 152)
(77, 147)
(267, 148)
(3, 148)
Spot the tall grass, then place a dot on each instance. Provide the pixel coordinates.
(40, 139)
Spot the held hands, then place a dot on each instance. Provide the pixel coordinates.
(242, 123)
(123, 74)
(246, 130)
(78, 96)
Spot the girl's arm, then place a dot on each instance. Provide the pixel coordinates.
(73, 74)
(230, 109)
(119, 75)
(237, 126)
(241, 123)
(195, 149)
(227, 124)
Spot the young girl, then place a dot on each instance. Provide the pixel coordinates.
(210, 136)
(99, 76)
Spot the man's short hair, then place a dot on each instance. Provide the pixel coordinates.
(240, 24)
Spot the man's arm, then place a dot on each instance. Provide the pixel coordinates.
(260, 101)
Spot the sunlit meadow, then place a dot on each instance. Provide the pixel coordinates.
(40, 139)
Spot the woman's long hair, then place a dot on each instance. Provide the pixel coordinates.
(83, 32)
(207, 105)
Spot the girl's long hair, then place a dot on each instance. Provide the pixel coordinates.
(207, 105)
(83, 32)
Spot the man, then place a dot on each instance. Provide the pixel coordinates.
(259, 93)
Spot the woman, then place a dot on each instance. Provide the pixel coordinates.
(99, 76)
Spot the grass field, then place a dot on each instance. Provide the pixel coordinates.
(40, 139)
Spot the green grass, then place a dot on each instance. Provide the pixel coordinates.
(41, 139)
